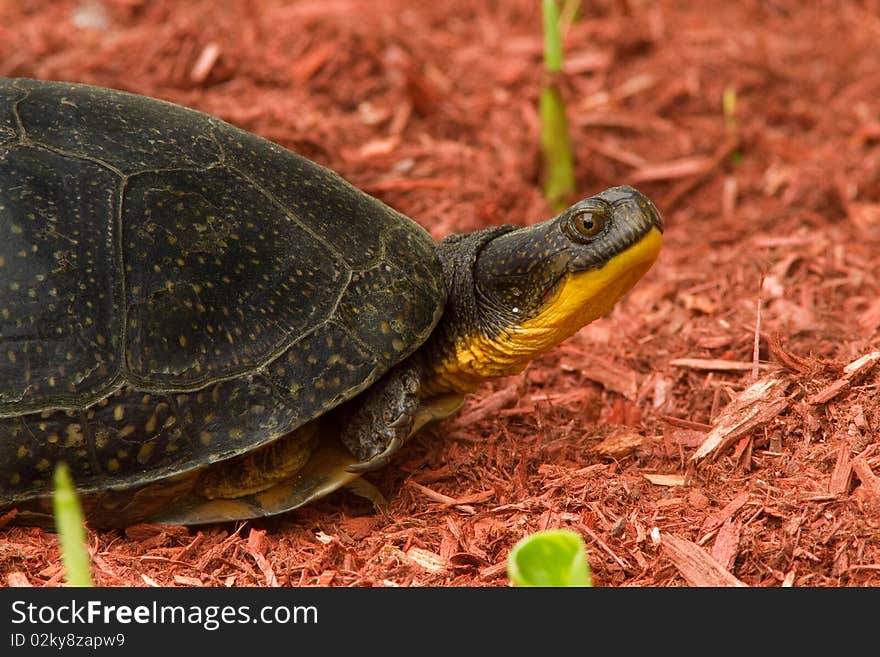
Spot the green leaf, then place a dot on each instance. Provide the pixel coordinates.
(554, 557)
(71, 528)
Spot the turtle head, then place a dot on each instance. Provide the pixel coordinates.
(514, 293)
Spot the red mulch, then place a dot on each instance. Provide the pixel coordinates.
(773, 231)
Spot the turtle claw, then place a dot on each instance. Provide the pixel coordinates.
(378, 461)
(383, 422)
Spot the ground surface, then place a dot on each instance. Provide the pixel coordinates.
(773, 231)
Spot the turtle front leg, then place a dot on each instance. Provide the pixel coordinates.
(384, 420)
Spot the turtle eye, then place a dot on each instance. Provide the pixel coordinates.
(584, 224)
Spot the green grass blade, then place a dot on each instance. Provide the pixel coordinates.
(554, 557)
(71, 528)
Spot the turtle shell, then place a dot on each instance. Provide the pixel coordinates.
(175, 291)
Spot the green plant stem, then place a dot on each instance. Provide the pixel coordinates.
(556, 151)
(71, 528)
(552, 39)
(559, 183)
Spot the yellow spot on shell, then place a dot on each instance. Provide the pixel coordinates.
(74, 435)
(119, 413)
(145, 452)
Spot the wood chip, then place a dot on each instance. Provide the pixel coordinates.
(426, 559)
(407, 184)
(726, 545)
(306, 65)
(673, 169)
(7, 517)
(830, 391)
(255, 546)
(17, 579)
(188, 581)
(613, 376)
(444, 499)
(685, 424)
(493, 571)
(696, 566)
(586, 62)
(475, 498)
(697, 499)
(146, 531)
(841, 475)
(870, 481)
(717, 364)
(619, 443)
(598, 541)
(718, 518)
(358, 527)
(754, 407)
(665, 479)
(862, 364)
(207, 58)
(698, 303)
(488, 406)
(869, 320)
(149, 581)
(686, 437)
(850, 372)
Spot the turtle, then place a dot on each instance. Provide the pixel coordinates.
(206, 326)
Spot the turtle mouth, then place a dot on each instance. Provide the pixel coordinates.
(552, 290)
(578, 297)
(628, 266)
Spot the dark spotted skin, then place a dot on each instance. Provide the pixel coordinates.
(175, 291)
